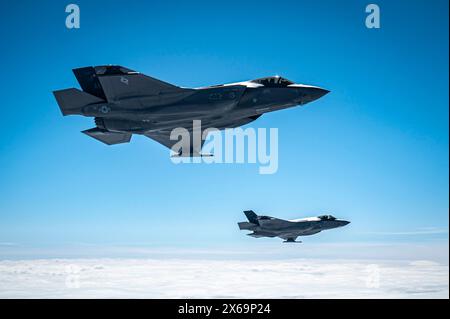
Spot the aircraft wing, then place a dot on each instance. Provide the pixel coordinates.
(272, 222)
(229, 123)
(163, 136)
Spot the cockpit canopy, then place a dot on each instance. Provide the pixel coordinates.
(327, 217)
(273, 81)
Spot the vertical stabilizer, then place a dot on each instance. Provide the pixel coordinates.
(251, 216)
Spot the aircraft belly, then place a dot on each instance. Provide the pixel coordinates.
(157, 112)
(284, 228)
(309, 232)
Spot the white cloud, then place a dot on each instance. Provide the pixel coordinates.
(7, 244)
(251, 250)
(185, 278)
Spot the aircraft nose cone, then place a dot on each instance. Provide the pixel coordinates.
(345, 222)
(318, 93)
(312, 93)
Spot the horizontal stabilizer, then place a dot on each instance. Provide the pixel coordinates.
(109, 138)
(72, 101)
(246, 225)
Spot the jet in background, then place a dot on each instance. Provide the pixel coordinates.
(124, 102)
(289, 230)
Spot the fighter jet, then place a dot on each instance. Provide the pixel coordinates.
(124, 102)
(289, 230)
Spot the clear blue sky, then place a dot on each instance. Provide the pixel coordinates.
(373, 151)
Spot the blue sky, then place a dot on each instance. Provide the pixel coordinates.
(373, 151)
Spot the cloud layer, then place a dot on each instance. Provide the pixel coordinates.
(184, 278)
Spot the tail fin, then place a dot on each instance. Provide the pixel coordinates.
(112, 82)
(251, 216)
(89, 81)
(72, 101)
(107, 137)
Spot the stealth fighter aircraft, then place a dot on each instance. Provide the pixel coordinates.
(124, 102)
(289, 230)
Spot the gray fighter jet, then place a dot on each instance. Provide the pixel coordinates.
(125, 102)
(289, 230)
